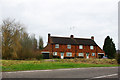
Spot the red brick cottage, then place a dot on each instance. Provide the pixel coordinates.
(70, 47)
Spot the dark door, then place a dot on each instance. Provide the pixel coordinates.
(45, 55)
(100, 55)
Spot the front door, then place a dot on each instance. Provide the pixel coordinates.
(62, 55)
(87, 55)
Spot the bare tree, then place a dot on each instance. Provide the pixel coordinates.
(40, 43)
(11, 33)
(34, 42)
(16, 43)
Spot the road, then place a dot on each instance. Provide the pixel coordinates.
(89, 73)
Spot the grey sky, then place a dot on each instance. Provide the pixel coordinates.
(82, 18)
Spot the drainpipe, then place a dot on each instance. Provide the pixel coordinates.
(75, 52)
(96, 52)
(52, 51)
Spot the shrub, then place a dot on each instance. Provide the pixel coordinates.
(118, 58)
(39, 56)
(51, 56)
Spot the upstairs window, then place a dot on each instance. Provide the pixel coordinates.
(93, 54)
(55, 53)
(56, 45)
(69, 54)
(91, 47)
(80, 46)
(80, 54)
(69, 46)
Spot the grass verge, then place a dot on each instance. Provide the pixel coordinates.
(20, 65)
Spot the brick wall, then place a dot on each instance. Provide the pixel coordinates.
(75, 49)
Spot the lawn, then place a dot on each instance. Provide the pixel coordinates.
(20, 65)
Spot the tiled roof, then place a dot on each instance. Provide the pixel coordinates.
(62, 40)
(72, 41)
(85, 41)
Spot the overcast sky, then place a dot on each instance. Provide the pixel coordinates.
(82, 18)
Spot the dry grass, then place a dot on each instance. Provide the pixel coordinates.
(87, 61)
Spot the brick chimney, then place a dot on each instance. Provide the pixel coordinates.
(92, 37)
(48, 37)
(71, 36)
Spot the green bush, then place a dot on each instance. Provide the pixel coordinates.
(51, 56)
(39, 56)
(118, 58)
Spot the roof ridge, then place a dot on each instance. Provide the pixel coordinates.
(83, 38)
(58, 37)
(70, 37)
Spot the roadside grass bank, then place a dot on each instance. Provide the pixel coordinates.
(22, 65)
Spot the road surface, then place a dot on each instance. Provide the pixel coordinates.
(88, 73)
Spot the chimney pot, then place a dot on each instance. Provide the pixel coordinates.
(71, 36)
(92, 37)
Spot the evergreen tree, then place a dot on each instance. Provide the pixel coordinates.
(40, 43)
(109, 47)
(113, 49)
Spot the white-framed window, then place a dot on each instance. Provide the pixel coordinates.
(56, 45)
(80, 46)
(69, 54)
(55, 53)
(80, 54)
(93, 54)
(91, 47)
(69, 46)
